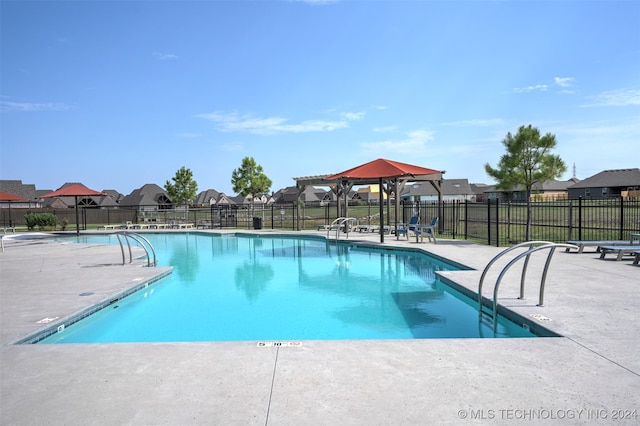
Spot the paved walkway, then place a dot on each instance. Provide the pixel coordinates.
(589, 376)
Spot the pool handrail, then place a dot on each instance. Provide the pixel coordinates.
(534, 246)
(338, 223)
(142, 241)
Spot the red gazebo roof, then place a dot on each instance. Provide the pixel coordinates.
(6, 196)
(383, 168)
(74, 191)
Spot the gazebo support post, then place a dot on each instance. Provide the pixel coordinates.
(301, 189)
(77, 218)
(380, 189)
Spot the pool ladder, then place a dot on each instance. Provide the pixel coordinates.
(142, 242)
(342, 223)
(533, 246)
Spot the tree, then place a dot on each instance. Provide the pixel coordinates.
(249, 179)
(528, 160)
(183, 189)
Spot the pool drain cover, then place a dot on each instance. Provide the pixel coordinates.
(278, 344)
(46, 320)
(540, 317)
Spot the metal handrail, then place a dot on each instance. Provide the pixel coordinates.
(541, 245)
(339, 223)
(142, 241)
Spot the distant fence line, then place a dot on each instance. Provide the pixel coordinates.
(491, 222)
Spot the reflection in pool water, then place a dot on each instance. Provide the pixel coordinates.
(228, 287)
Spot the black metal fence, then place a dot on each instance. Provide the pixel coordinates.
(492, 222)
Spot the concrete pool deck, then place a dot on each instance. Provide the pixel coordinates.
(590, 375)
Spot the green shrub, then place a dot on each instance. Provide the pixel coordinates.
(41, 220)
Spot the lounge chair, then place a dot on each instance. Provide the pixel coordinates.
(428, 230)
(598, 244)
(404, 228)
(620, 250)
(105, 227)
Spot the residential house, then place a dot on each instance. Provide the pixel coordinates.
(148, 198)
(608, 184)
(452, 190)
(28, 191)
(206, 198)
(540, 191)
(310, 195)
(480, 191)
(115, 195)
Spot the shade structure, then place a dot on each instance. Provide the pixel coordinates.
(8, 197)
(74, 190)
(381, 169)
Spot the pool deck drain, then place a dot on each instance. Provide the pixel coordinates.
(594, 368)
(279, 344)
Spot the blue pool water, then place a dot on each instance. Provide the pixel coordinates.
(235, 287)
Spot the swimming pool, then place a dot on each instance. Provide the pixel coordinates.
(264, 288)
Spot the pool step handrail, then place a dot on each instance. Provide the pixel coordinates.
(534, 246)
(142, 242)
(340, 223)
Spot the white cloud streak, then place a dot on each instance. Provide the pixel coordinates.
(536, 88)
(564, 81)
(233, 122)
(164, 56)
(620, 97)
(415, 142)
(6, 106)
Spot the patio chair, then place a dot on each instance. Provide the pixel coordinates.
(428, 230)
(404, 228)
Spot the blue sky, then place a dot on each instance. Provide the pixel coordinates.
(117, 94)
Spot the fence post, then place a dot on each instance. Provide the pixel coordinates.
(488, 222)
(570, 233)
(466, 219)
(621, 218)
(580, 218)
(497, 222)
(509, 221)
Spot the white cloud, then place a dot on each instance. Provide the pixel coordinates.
(353, 116)
(413, 144)
(620, 97)
(564, 81)
(164, 56)
(537, 87)
(7, 106)
(233, 122)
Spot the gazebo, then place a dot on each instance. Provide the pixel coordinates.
(395, 175)
(75, 191)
